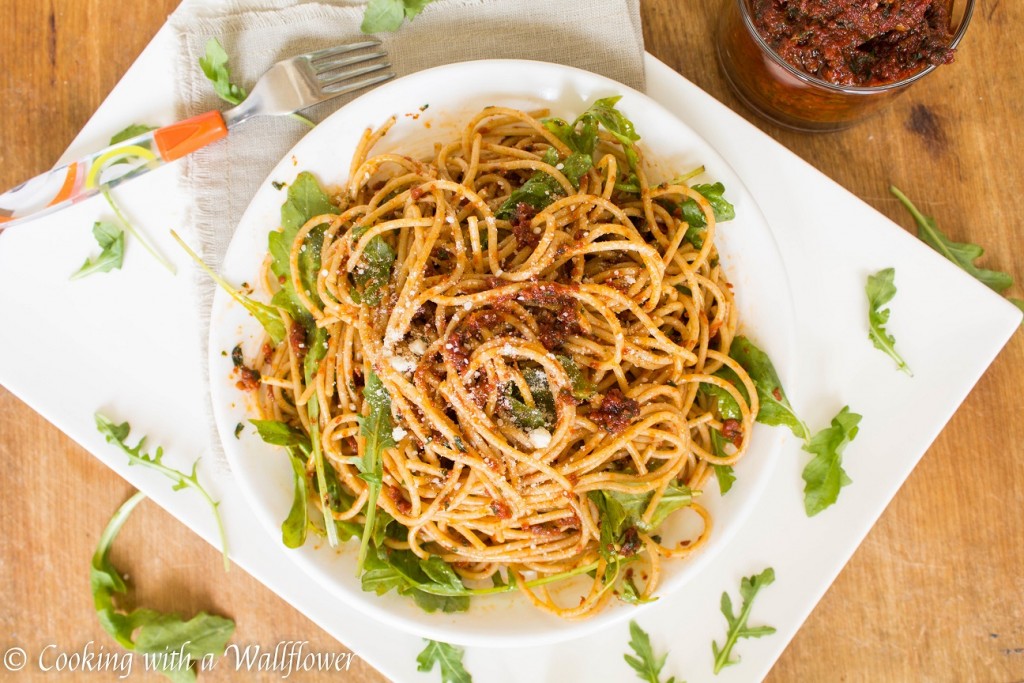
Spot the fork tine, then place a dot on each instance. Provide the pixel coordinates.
(325, 84)
(341, 49)
(332, 64)
(342, 87)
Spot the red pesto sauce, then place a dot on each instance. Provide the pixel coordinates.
(857, 42)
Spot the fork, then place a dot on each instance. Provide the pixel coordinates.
(288, 86)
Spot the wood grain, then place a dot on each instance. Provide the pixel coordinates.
(935, 593)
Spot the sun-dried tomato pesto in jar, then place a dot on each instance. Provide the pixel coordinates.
(857, 42)
(824, 64)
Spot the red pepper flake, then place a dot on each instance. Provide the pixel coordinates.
(777, 393)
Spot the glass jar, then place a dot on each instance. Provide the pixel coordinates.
(782, 93)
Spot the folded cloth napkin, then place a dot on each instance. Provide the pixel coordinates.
(603, 36)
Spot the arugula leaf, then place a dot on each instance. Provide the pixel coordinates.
(962, 254)
(199, 636)
(524, 416)
(749, 588)
(582, 141)
(293, 529)
(617, 124)
(382, 16)
(775, 407)
(824, 473)
(881, 288)
(117, 434)
(721, 400)
(723, 210)
(111, 241)
(130, 132)
(447, 658)
(431, 583)
(647, 666)
(267, 316)
(215, 66)
(373, 271)
(376, 428)
(723, 473)
(539, 191)
(575, 167)
(305, 200)
(675, 496)
(582, 388)
(279, 433)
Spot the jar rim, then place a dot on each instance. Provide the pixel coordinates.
(848, 89)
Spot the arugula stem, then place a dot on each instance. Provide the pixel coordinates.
(235, 294)
(131, 228)
(321, 476)
(302, 119)
(922, 224)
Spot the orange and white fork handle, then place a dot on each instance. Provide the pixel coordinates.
(108, 168)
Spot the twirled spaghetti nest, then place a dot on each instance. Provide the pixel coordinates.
(543, 353)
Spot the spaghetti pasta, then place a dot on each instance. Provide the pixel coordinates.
(551, 333)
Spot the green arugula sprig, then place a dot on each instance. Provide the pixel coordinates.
(382, 16)
(447, 658)
(963, 254)
(880, 289)
(299, 447)
(145, 630)
(215, 67)
(117, 434)
(824, 474)
(111, 241)
(647, 665)
(749, 588)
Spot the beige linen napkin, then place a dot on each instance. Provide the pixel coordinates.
(603, 36)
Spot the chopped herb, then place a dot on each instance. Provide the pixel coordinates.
(447, 658)
(277, 185)
(749, 588)
(116, 434)
(824, 474)
(238, 429)
(111, 241)
(145, 630)
(881, 288)
(647, 665)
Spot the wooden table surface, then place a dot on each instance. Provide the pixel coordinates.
(935, 593)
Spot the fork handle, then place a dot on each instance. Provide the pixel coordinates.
(107, 168)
